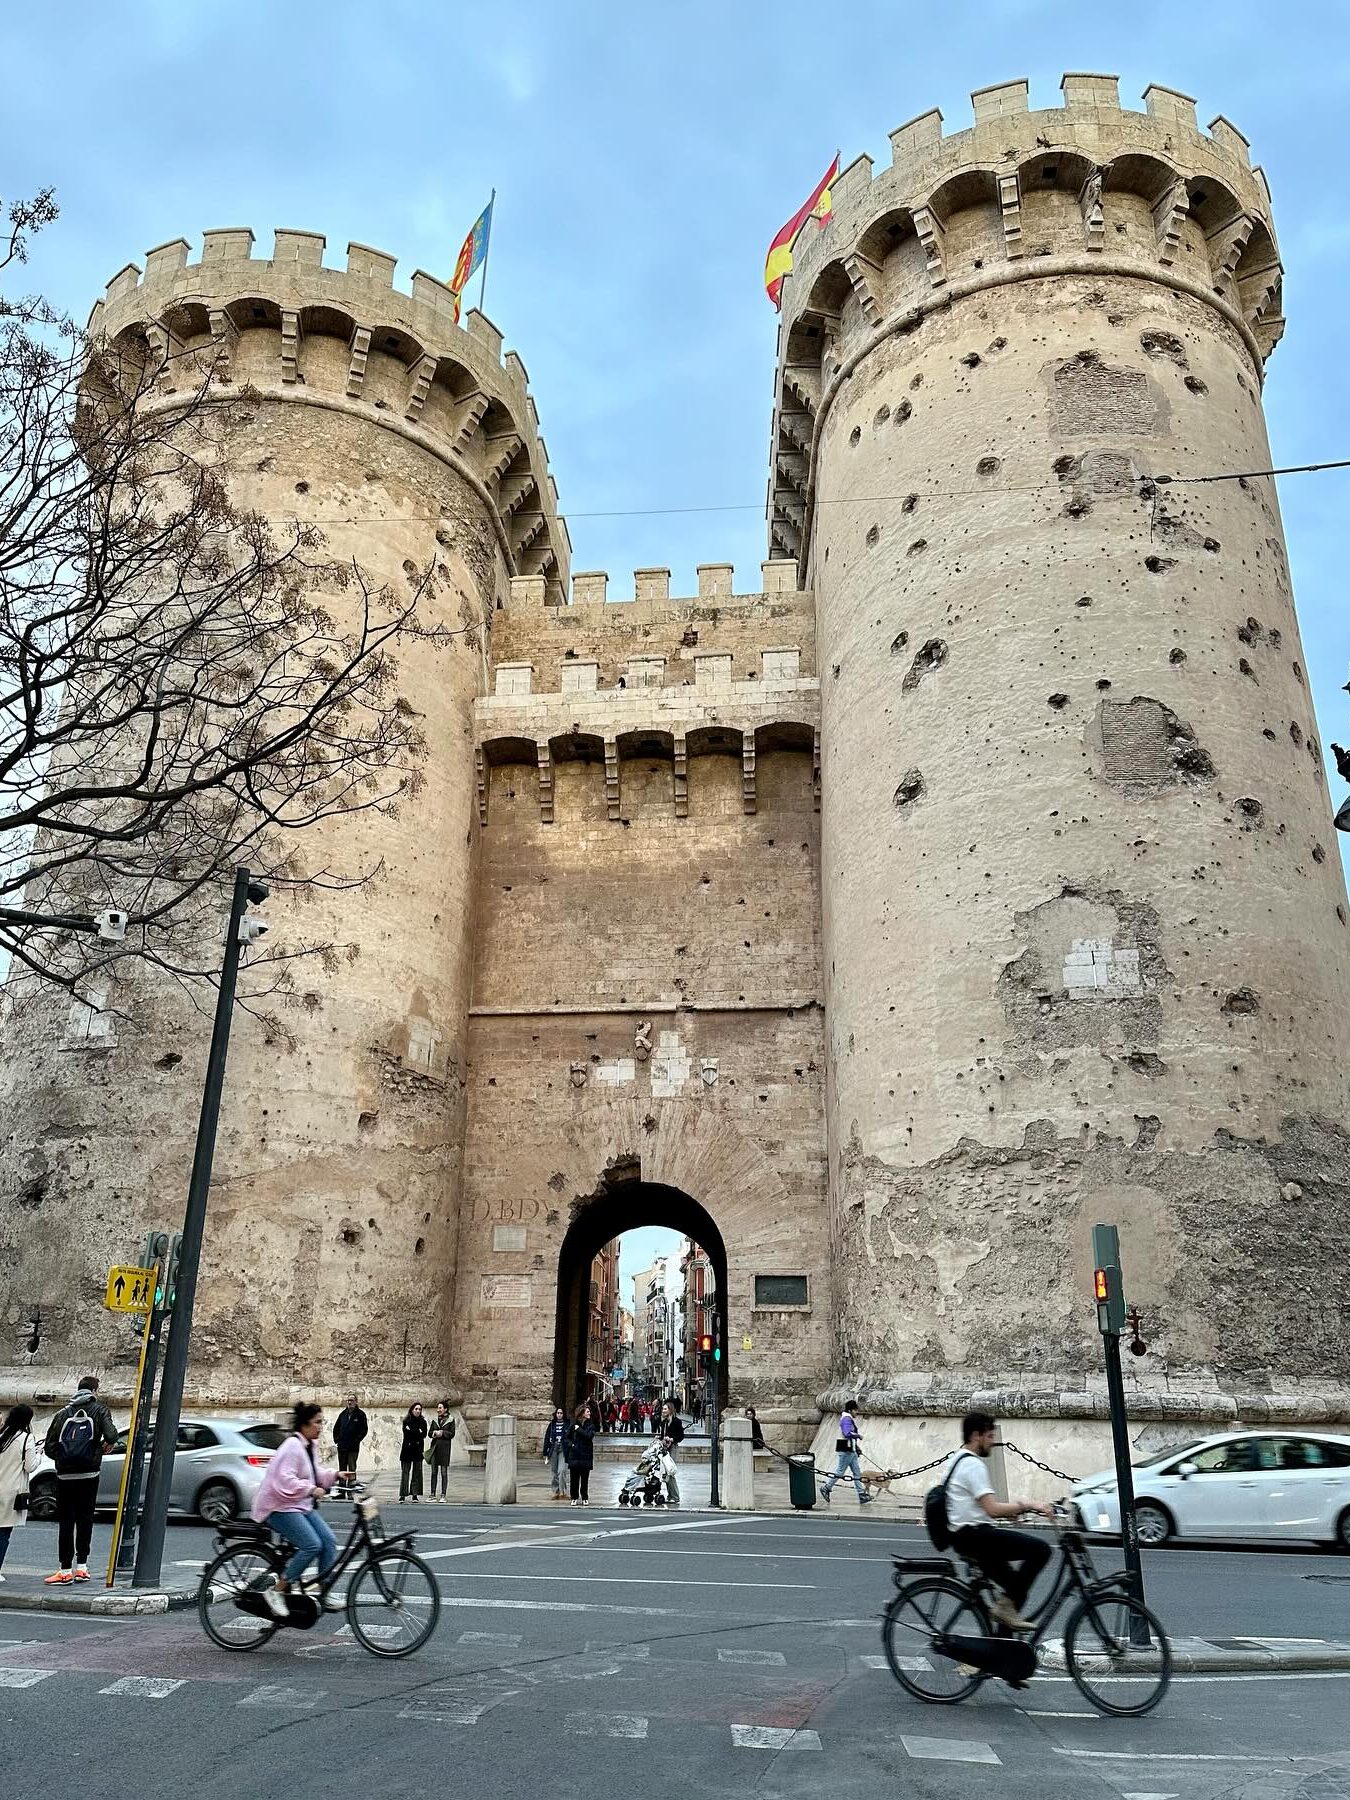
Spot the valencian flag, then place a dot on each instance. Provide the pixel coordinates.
(473, 252)
(778, 263)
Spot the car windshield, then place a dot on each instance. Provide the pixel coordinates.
(1158, 1456)
(266, 1437)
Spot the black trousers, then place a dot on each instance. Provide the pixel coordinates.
(75, 1500)
(1011, 1558)
(347, 1458)
(440, 1465)
(581, 1483)
(410, 1479)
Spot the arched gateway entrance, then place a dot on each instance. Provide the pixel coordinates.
(608, 1215)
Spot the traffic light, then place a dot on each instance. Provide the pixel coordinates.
(1108, 1288)
(165, 1292)
(705, 1350)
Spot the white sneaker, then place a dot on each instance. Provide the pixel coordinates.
(276, 1602)
(1, 1578)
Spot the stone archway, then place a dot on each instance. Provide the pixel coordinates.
(624, 1202)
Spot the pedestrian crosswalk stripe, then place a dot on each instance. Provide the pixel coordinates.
(22, 1678)
(447, 1709)
(773, 1737)
(770, 1658)
(508, 1640)
(930, 1749)
(614, 1725)
(905, 1662)
(144, 1687)
(278, 1694)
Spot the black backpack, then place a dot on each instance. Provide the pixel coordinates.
(78, 1450)
(935, 1508)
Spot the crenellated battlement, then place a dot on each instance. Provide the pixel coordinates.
(1083, 189)
(405, 362)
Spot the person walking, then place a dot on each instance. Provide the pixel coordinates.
(1012, 1559)
(19, 1458)
(441, 1444)
(846, 1445)
(581, 1454)
(410, 1454)
(555, 1451)
(76, 1440)
(284, 1503)
(350, 1430)
(670, 1429)
(696, 1409)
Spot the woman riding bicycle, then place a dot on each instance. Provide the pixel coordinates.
(285, 1503)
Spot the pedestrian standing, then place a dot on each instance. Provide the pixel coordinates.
(555, 1451)
(439, 1449)
(756, 1430)
(19, 1458)
(350, 1429)
(76, 1440)
(696, 1409)
(846, 1448)
(410, 1454)
(581, 1454)
(671, 1431)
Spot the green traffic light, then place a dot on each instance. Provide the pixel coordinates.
(717, 1354)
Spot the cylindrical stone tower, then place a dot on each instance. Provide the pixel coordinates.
(330, 1246)
(1086, 942)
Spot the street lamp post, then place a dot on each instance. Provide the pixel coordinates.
(150, 1550)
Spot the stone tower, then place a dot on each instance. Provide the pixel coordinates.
(334, 1213)
(1085, 929)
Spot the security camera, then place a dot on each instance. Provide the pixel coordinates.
(112, 925)
(251, 929)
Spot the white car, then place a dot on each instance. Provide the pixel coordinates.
(1235, 1484)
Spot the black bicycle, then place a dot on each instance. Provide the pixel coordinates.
(942, 1644)
(393, 1603)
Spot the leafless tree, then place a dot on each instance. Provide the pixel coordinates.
(184, 684)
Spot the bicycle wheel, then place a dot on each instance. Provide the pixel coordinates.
(240, 1569)
(393, 1603)
(1114, 1674)
(920, 1611)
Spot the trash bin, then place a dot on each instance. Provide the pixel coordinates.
(802, 1480)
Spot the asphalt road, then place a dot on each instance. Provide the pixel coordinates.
(615, 1655)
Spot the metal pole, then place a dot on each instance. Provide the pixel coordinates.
(131, 1523)
(487, 247)
(715, 1484)
(150, 1553)
(1120, 1443)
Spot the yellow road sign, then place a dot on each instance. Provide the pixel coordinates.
(130, 1290)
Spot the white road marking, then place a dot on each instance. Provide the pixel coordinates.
(23, 1678)
(447, 1710)
(288, 1699)
(613, 1725)
(743, 1555)
(144, 1687)
(577, 1536)
(1274, 1643)
(908, 1663)
(800, 1587)
(931, 1749)
(772, 1737)
(1179, 1756)
(506, 1640)
(768, 1658)
(566, 1606)
(1150, 1797)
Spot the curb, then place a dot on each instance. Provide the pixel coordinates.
(1235, 1656)
(104, 1605)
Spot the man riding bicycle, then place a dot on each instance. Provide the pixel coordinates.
(1012, 1559)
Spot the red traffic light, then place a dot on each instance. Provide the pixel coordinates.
(705, 1344)
(1101, 1285)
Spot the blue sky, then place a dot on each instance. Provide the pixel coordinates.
(643, 157)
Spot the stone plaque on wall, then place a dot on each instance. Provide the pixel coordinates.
(508, 1237)
(506, 1290)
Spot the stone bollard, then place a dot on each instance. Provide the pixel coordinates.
(738, 1466)
(499, 1487)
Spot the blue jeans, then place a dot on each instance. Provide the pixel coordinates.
(309, 1532)
(847, 1464)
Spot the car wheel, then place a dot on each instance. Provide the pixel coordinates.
(1343, 1530)
(1152, 1524)
(42, 1501)
(217, 1503)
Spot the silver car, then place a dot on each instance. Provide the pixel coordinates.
(217, 1469)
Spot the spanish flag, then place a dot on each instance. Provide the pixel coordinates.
(779, 260)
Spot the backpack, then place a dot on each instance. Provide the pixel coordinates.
(935, 1519)
(77, 1450)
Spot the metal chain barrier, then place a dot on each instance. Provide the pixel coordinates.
(1036, 1463)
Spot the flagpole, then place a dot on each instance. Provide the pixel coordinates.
(487, 248)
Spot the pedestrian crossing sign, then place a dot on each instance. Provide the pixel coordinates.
(130, 1290)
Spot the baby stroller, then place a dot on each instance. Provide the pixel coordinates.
(647, 1485)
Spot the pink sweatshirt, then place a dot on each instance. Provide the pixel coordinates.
(287, 1485)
